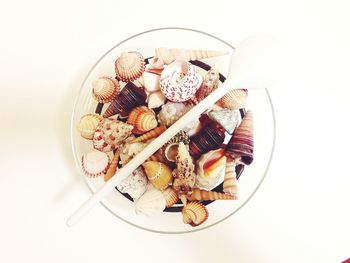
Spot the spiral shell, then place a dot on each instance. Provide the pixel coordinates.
(150, 135)
(194, 213)
(170, 197)
(210, 82)
(230, 180)
(179, 81)
(151, 203)
(105, 89)
(235, 99)
(201, 195)
(88, 124)
(112, 167)
(159, 174)
(129, 97)
(143, 119)
(94, 163)
(129, 66)
(170, 149)
(110, 133)
(165, 56)
(241, 144)
(228, 119)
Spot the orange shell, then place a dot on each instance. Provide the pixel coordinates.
(129, 66)
(105, 89)
(143, 119)
(200, 195)
(194, 213)
(150, 135)
(170, 197)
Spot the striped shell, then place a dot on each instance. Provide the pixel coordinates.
(194, 213)
(143, 119)
(235, 99)
(94, 163)
(170, 197)
(88, 124)
(230, 180)
(150, 135)
(129, 66)
(105, 89)
(159, 174)
(201, 195)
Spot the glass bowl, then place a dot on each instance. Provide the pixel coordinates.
(259, 102)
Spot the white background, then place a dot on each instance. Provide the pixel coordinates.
(300, 213)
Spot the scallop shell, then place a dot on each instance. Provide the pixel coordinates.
(165, 56)
(143, 119)
(209, 168)
(235, 99)
(179, 81)
(228, 119)
(184, 173)
(156, 100)
(159, 174)
(112, 167)
(194, 213)
(105, 89)
(170, 197)
(151, 203)
(150, 135)
(209, 138)
(241, 143)
(110, 133)
(135, 184)
(230, 180)
(94, 163)
(201, 195)
(129, 97)
(88, 124)
(129, 66)
(211, 82)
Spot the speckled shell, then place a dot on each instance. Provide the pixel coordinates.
(201, 195)
(135, 184)
(241, 143)
(129, 97)
(180, 81)
(172, 111)
(170, 197)
(150, 135)
(88, 124)
(170, 149)
(228, 119)
(129, 66)
(230, 180)
(210, 82)
(105, 89)
(151, 203)
(94, 163)
(159, 174)
(235, 99)
(110, 133)
(143, 119)
(194, 213)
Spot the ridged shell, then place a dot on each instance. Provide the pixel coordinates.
(135, 184)
(129, 66)
(151, 203)
(209, 168)
(170, 197)
(110, 133)
(105, 89)
(94, 163)
(228, 119)
(235, 99)
(143, 119)
(241, 143)
(210, 82)
(230, 180)
(165, 56)
(194, 213)
(156, 99)
(112, 167)
(88, 124)
(129, 97)
(150, 135)
(209, 138)
(159, 174)
(201, 195)
(180, 81)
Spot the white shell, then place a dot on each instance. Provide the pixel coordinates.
(135, 184)
(151, 203)
(156, 100)
(151, 81)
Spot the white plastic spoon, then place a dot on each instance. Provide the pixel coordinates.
(252, 66)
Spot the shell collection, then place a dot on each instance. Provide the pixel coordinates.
(143, 100)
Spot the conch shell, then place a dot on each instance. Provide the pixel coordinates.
(170, 149)
(165, 56)
(179, 81)
(241, 143)
(105, 89)
(88, 124)
(129, 66)
(201, 195)
(143, 119)
(194, 213)
(94, 163)
(159, 174)
(235, 99)
(210, 82)
(170, 197)
(151, 203)
(230, 180)
(150, 135)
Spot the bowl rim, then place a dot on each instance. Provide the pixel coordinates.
(77, 162)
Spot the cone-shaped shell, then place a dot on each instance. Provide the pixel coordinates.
(241, 143)
(235, 99)
(150, 135)
(129, 97)
(105, 89)
(194, 213)
(143, 119)
(170, 197)
(159, 174)
(228, 119)
(129, 66)
(88, 124)
(94, 163)
(112, 167)
(210, 82)
(230, 180)
(151, 203)
(165, 56)
(201, 195)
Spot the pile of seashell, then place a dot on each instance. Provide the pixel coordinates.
(143, 101)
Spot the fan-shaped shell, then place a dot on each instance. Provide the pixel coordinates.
(194, 213)
(170, 197)
(129, 66)
(143, 119)
(94, 163)
(105, 89)
(151, 203)
(159, 174)
(234, 99)
(88, 124)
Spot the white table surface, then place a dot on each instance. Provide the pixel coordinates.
(300, 213)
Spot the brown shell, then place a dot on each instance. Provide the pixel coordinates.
(105, 89)
(201, 195)
(170, 197)
(129, 97)
(230, 180)
(150, 135)
(143, 119)
(241, 143)
(129, 66)
(194, 213)
(235, 99)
